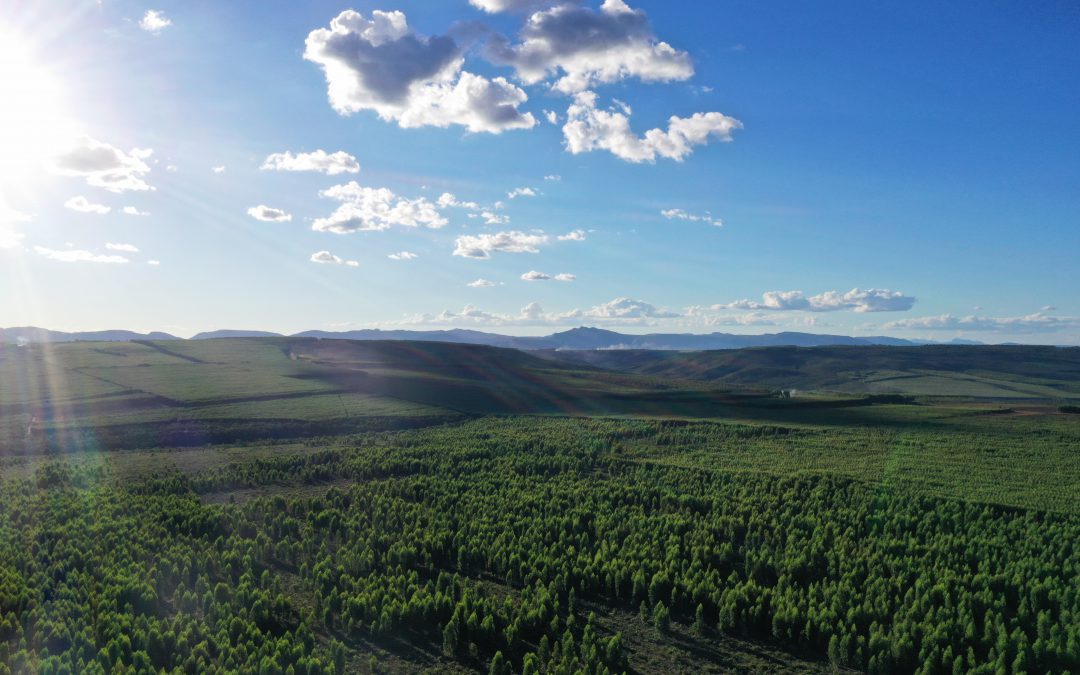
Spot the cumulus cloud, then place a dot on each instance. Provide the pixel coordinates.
(328, 258)
(104, 166)
(154, 21)
(402, 255)
(494, 218)
(269, 214)
(124, 248)
(84, 205)
(218, 169)
(857, 300)
(679, 214)
(589, 128)
(381, 64)
(331, 164)
(565, 277)
(587, 47)
(553, 176)
(133, 211)
(481, 283)
(483, 245)
(521, 192)
(628, 308)
(373, 209)
(575, 235)
(74, 255)
(448, 200)
(1037, 322)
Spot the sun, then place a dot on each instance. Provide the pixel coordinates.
(33, 123)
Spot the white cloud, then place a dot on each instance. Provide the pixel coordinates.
(331, 164)
(9, 215)
(679, 214)
(857, 300)
(9, 238)
(80, 256)
(481, 283)
(328, 258)
(482, 246)
(447, 200)
(707, 316)
(133, 211)
(620, 311)
(589, 47)
(531, 314)
(84, 205)
(1037, 322)
(553, 176)
(154, 21)
(494, 218)
(269, 214)
(218, 169)
(542, 276)
(104, 166)
(380, 64)
(403, 255)
(588, 128)
(494, 6)
(552, 116)
(123, 248)
(153, 263)
(521, 192)
(627, 308)
(575, 235)
(373, 209)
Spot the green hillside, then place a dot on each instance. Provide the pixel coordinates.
(148, 394)
(990, 372)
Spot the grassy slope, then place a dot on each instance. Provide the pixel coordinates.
(1006, 372)
(148, 394)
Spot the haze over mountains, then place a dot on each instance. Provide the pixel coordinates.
(583, 338)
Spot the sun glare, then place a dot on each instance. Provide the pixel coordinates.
(33, 123)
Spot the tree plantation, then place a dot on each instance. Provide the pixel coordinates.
(537, 545)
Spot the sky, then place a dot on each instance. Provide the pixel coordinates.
(526, 166)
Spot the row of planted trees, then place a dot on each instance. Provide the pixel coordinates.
(486, 541)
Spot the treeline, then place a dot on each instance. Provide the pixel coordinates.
(487, 541)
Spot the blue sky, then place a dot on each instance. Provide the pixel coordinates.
(862, 168)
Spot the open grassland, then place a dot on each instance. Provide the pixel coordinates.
(147, 394)
(992, 372)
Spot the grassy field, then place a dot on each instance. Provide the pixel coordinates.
(991, 372)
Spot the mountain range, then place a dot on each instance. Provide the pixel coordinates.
(583, 338)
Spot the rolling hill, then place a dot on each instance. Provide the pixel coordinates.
(976, 371)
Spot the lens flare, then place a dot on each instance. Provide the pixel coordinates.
(33, 123)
